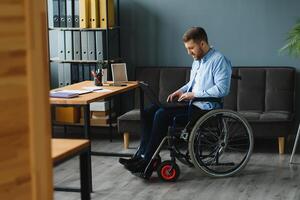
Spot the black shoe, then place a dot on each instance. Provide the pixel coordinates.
(129, 161)
(139, 169)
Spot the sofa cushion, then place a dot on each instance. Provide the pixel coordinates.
(276, 116)
(177, 77)
(230, 100)
(279, 89)
(130, 122)
(251, 115)
(267, 116)
(251, 89)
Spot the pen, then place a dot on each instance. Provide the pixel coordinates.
(93, 74)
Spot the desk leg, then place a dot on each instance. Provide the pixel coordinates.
(110, 117)
(84, 175)
(86, 109)
(142, 105)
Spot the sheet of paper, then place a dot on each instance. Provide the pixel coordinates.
(92, 88)
(103, 90)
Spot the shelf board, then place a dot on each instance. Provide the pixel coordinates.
(84, 61)
(82, 29)
(56, 123)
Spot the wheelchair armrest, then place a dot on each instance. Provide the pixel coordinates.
(210, 99)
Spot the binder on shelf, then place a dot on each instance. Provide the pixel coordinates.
(99, 44)
(84, 13)
(86, 72)
(56, 16)
(76, 13)
(50, 13)
(76, 45)
(54, 75)
(113, 44)
(111, 13)
(61, 77)
(91, 45)
(62, 13)
(69, 46)
(53, 36)
(80, 72)
(84, 45)
(61, 45)
(70, 13)
(74, 73)
(94, 14)
(67, 73)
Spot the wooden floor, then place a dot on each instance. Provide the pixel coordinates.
(267, 176)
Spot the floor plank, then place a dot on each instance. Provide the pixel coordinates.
(268, 176)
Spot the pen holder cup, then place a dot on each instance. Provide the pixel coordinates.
(98, 79)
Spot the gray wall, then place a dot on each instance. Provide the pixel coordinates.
(248, 32)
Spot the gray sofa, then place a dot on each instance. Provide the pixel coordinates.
(265, 97)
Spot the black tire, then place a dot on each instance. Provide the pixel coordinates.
(164, 173)
(221, 143)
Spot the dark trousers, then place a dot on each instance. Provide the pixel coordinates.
(155, 125)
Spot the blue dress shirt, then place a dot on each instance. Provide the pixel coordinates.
(210, 77)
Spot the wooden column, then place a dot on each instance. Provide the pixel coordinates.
(25, 159)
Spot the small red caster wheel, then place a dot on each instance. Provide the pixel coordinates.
(168, 171)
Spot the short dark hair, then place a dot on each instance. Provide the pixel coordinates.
(196, 34)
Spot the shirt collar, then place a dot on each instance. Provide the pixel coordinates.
(208, 55)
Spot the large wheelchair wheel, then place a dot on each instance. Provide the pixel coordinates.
(221, 143)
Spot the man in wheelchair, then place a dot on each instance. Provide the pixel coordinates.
(210, 77)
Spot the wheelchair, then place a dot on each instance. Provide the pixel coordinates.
(219, 144)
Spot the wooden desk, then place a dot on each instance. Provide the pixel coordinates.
(64, 149)
(84, 101)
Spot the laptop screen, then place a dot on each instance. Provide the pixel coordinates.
(119, 72)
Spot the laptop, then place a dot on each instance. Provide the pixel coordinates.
(119, 74)
(154, 98)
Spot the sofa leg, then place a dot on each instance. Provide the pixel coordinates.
(126, 140)
(281, 145)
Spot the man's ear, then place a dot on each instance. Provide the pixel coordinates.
(202, 43)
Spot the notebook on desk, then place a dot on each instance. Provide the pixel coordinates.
(67, 93)
(154, 98)
(63, 95)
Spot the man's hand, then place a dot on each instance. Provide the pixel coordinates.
(174, 95)
(186, 96)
